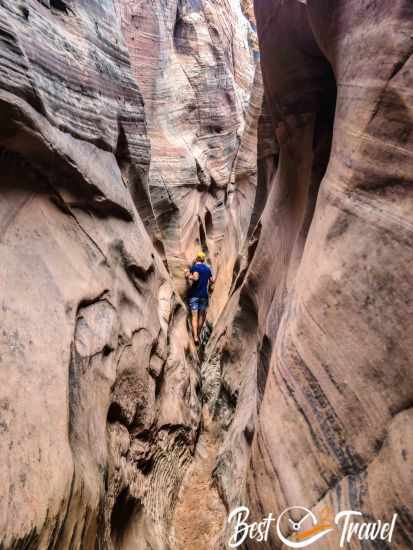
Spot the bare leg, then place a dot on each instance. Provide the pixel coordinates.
(201, 321)
(195, 320)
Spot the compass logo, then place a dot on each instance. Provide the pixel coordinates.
(299, 527)
(306, 528)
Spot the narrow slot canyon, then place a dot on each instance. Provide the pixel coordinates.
(270, 141)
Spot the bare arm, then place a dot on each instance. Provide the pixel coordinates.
(191, 276)
(211, 278)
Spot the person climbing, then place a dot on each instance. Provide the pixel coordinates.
(200, 277)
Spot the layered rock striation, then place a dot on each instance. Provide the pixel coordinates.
(309, 365)
(100, 391)
(115, 166)
(134, 133)
(195, 64)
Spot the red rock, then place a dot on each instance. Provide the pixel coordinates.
(100, 403)
(321, 321)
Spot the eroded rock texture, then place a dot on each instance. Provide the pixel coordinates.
(99, 404)
(194, 61)
(131, 134)
(309, 365)
(100, 407)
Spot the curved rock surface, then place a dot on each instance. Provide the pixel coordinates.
(100, 404)
(95, 398)
(131, 134)
(194, 61)
(310, 363)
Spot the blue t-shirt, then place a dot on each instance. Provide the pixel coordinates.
(199, 288)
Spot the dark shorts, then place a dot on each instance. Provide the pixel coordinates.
(198, 304)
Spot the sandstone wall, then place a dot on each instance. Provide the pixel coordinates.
(117, 160)
(310, 363)
(129, 138)
(195, 63)
(99, 404)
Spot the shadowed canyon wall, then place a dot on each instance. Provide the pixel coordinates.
(133, 133)
(112, 175)
(310, 364)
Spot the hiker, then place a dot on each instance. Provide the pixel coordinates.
(200, 277)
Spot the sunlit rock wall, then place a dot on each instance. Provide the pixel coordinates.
(195, 64)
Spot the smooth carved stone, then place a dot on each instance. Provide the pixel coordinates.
(195, 63)
(87, 304)
(100, 400)
(114, 434)
(325, 383)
